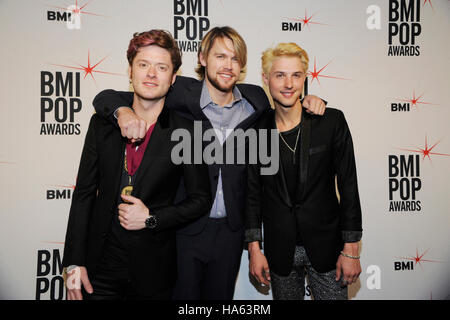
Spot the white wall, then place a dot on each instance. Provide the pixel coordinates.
(31, 163)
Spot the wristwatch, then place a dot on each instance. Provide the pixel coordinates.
(151, 222)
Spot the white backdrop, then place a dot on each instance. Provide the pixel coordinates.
(405, 254)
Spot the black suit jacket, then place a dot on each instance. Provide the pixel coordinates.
(326, 151)
(184, 97)
(152, 253)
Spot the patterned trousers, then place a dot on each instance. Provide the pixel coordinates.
(292, 287)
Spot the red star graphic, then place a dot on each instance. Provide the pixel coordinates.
(5, 162)
(316, 73)
(89, 69)
(426, 152)
(427, 1)
(77, 10)
(415, 101)
(68, 186)
(307, 20)
(419, 258)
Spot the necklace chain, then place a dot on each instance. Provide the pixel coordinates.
(296, 141)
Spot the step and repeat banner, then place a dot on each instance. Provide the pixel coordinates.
(383, 63)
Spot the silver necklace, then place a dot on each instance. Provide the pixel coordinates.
(287, 145)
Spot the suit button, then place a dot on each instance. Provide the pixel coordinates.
(104, 235)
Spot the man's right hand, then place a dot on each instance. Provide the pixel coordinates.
(259, 268)
(131, 126)
(76, 278)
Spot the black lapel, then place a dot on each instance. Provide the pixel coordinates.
(159, 140)
(305, 141)
(118, 157)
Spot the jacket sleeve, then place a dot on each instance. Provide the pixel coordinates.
(83, 200)
(176, 98)
(107, 101)
(196, 204)
(324, 101)
(197, 201)
(253, 219)
(345, 168)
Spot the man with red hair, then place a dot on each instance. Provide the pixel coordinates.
(120, 241)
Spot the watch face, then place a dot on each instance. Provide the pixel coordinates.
(150, 222)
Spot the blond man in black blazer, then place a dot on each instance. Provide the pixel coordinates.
(306, 228)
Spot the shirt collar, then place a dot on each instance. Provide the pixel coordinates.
(205, 98)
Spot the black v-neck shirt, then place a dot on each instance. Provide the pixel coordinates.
(291, 169)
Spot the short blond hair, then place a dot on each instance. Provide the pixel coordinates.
(290, 49)
(221, 33)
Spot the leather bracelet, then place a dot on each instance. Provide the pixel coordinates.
(349, 256)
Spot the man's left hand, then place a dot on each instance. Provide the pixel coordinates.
(314, 105)
(348, 268)
(132, 215)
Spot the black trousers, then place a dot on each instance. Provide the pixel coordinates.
(208, 263)
(111, 279)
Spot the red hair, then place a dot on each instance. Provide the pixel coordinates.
(161, 38)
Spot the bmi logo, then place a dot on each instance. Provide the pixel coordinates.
(406, 105)
(404, 28)
(405, 180)
(62, 192)
(49, 279)
(60, 97)
(412, 261)
(190, 23)
(404, 183)
(60, 103)
(297, 23)
(71, 15)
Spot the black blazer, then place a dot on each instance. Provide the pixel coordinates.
(152, 253)
(326, 151)
(184, 97)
